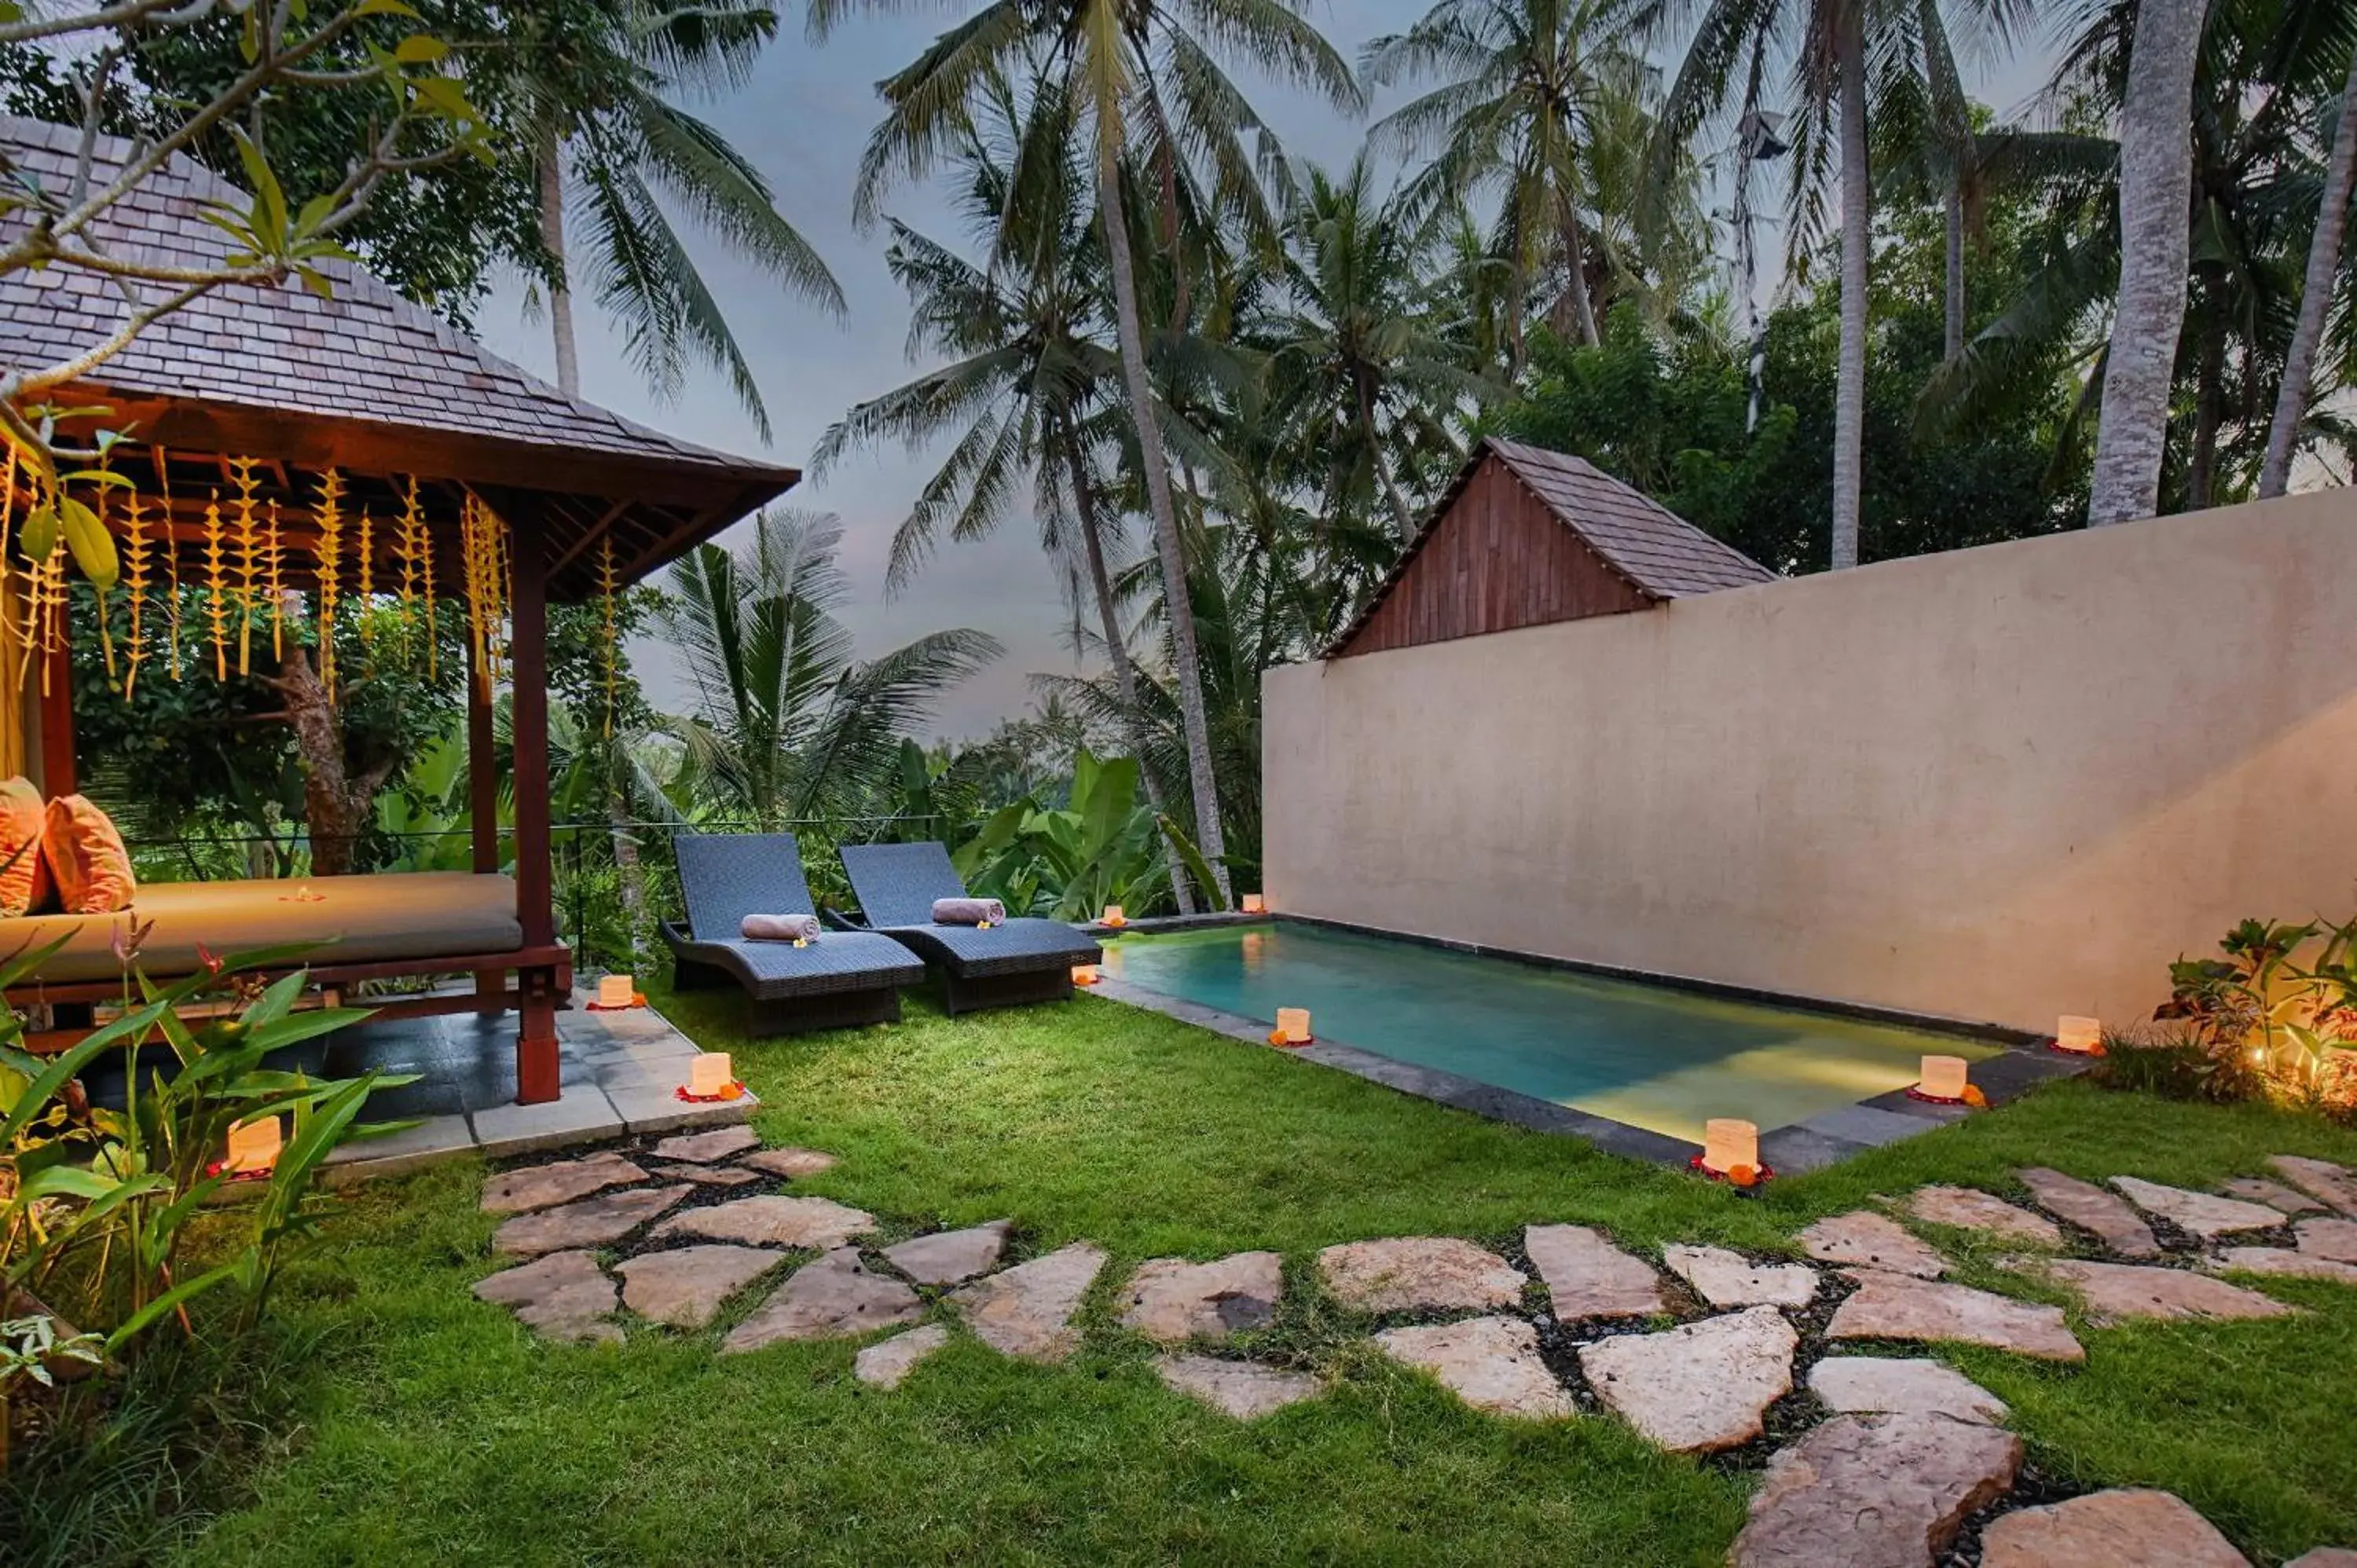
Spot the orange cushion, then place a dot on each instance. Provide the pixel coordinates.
(24, 871)
(88, 858)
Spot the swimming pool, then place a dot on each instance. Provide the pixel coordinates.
(1653, 1055)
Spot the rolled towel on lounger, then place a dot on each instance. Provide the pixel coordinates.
(780, 927)
(969, 912)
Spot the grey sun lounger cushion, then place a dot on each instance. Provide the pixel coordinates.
(897, 884)
(726, 876)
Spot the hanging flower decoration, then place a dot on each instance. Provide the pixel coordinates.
(217, 588)
(329, 515)
(274, 562)
(609, 656)
(138, 555)
(483, 543)
(249, 558)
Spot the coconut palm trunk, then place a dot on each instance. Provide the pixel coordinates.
(1125, 673)
(1169, 549)
(1952, 334)
(2316, 295)
(1849, 391)
(1575, 256)
(552, 238)
(2156, 189)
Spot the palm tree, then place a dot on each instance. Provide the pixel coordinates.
(1139, 71)
(2156, 187)
(788, 724)
(1023, 334)
(595, 80)
(1356, 358)
(1528, 87)
(2316, 294)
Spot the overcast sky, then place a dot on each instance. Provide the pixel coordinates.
(802, 121)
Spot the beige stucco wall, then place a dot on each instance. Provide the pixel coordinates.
(1997, 785)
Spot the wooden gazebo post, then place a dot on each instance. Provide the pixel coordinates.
(537, 1068)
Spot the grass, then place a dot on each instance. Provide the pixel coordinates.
(421, 1427)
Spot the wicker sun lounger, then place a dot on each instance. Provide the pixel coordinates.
(1023, 960)
(843, 978)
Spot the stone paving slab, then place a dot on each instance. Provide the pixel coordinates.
(598, 1221)
(1699, 1388)
(1866, 1125)
(1587, 1276)
(433, 1142)
(545, 1186)
(2090, 1208)
(1490, 1363)
(707, 1176)
(772, 1220)
(659, 1109)
(1241, 1388)
(792, 1164)
(1875, 1492)
(1420, 1274)
(888, 1363)
(2325, 1557)
(1889, 1385)
(2333, 1239)
(1900, 1307)
(687, 1286)
(708, 1148)
(1171, 1300)
(1968, 1208)
(2204, 1214)
(2126, 1529)
(834, 1298)
(2282, 1262)
(1727, 1279)
(585, 1116)
(2118, 1292)
(1868, 1240)
(564, 1295)
(951, 1257)
(2336, 1184)
(2274, 1194)
(1027, 1311)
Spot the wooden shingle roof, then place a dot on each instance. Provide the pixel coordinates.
(1656, 552)
(364, 381)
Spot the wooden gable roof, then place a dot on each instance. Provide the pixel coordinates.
(1527, 537)
(364, 382)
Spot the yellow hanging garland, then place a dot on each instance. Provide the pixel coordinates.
(249, 560)
(482, 538)
(136, 554)
(330, 516)
(8, 531)
(273, 558)
(216, 588)
(610, 656)
(368, 575)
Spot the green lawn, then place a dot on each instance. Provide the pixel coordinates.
(415, 1425)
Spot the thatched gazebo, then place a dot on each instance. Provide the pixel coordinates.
(283, 444)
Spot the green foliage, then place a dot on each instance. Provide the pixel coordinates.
(2275, 1016)
(1104, 846)
(96, 1204)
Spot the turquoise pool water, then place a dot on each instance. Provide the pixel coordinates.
(1651, 1056)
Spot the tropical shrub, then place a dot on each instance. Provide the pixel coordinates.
(1105, 846)
(97, 1206)
(2273, 1016)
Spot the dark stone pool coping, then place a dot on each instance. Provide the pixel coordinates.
(2024, 1062)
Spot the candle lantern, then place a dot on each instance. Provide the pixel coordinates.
(2080, 1036)
(1293, 1026)
(1942, 1078)
(1728, 1143)
(1254, 904)
(616, 990)
(1084, 975)
(1113, 916)
(711, 1075)
(254, 1147)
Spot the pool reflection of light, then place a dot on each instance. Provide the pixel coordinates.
(1254, 945)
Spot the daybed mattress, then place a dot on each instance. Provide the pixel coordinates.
(382, 918)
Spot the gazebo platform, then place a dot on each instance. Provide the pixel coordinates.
(618, 1071)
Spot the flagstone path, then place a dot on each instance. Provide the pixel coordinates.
(1891, 1454)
